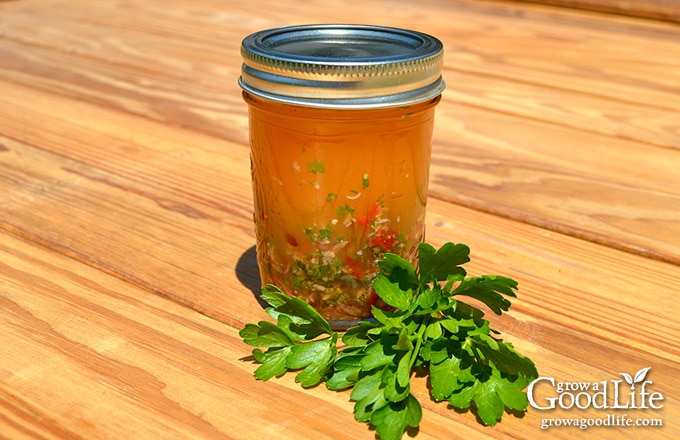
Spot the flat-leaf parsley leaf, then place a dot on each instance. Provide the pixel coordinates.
(428, 327)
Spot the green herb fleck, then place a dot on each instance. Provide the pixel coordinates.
(316, 167)
(364, 181)
(326, 233)
(344, 210)
(330, 197)
(429, 327)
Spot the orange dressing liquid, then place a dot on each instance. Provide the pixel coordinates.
(334, 191)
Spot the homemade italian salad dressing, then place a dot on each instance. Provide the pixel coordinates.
(341, 122)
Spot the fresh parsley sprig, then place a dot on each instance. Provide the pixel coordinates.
(429, 329)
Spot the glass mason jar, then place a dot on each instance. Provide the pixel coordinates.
(341, 122)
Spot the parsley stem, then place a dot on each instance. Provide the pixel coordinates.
(419, 340)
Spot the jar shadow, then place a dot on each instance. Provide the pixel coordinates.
(248, 273)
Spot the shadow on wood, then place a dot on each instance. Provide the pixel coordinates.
(248, 274)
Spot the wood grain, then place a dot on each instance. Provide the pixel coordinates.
(188, 251)
(549, 310)
(96, 356)
(499, 62)
(631, 203)
(561, 179)
(126, 238)
(654, 9)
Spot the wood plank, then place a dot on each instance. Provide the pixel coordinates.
(625, 61)
(618, 193)
(189, 251)
(491, 38)
(205, 103)
(73, 336)
(137, 347)
(153, 152)
(562, 107)
(18, 420)
(203, 107)
(472, 165)
(649, 121)
(147, 233)
(179, 42)
(195, 61)
(655, 9)
(126, 264)
(595, 55)
(129, 229)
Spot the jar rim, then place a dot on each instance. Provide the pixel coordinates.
(342, 66)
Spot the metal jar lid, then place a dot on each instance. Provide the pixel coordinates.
(342, 66)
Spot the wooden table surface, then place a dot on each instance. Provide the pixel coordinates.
(126, 239)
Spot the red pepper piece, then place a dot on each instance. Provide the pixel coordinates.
(383, 240)
(373, 212)
(354, 267)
